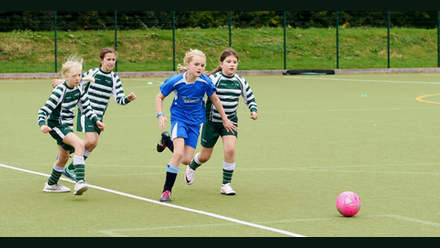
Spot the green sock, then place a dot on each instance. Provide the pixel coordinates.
(80, 167)
(195, 163)
(80, 171)
(55, 176)
(72, 167)
(227, 176)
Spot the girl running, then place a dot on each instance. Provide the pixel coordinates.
(229, 88)
(105, 84)
(59, 113)
(187, 113)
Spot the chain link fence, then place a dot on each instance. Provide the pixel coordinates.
(38, 41)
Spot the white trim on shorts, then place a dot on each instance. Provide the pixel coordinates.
(83, 123)
(59, 133)
(174, 132)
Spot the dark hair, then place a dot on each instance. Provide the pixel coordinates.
(226, 53)
(106, 50)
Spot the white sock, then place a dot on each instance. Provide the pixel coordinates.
(196, 159)
(57, 168)
(78, 160)
(86, 153)
(228, 166)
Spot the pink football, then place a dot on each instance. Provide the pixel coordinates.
(348, 203)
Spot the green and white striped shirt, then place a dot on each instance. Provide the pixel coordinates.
(229, 90)
(99, 92)
(59, 108)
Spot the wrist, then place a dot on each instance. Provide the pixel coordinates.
(159, 114)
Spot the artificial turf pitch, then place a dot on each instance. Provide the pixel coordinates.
(316, 136)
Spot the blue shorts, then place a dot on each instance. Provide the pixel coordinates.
(189, 132)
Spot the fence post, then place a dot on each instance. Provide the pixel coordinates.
(230, 28)
(337, 39)
(174, 41)
(388, 44)
(116, 38)
(55, 33)
(285, 42)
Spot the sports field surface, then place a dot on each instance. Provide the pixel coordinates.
(316, 136)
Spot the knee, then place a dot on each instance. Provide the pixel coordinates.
(177, 155)
(63, 158)
(229, 152)
(91, 144)
(204, 157)
(79, 146)
(185, 161)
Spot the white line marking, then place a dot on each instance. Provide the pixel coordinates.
(342, 110)
(118, 232)
(424, 222)
(168, 205)
(362, 80)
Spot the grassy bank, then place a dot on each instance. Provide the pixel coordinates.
(259, 49)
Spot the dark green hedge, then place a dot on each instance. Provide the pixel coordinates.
(128, 20)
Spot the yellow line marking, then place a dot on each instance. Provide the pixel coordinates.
(420, 98)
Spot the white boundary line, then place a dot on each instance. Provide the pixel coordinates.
(361, 80)
(119, 232)
(168, 205)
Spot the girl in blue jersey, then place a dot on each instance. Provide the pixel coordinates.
(187, 113)
(230, 86)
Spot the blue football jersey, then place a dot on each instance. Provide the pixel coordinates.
(189, 99)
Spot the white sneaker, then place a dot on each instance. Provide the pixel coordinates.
(227, 190)
(80, 187)
(189, 175)
(56, 188)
